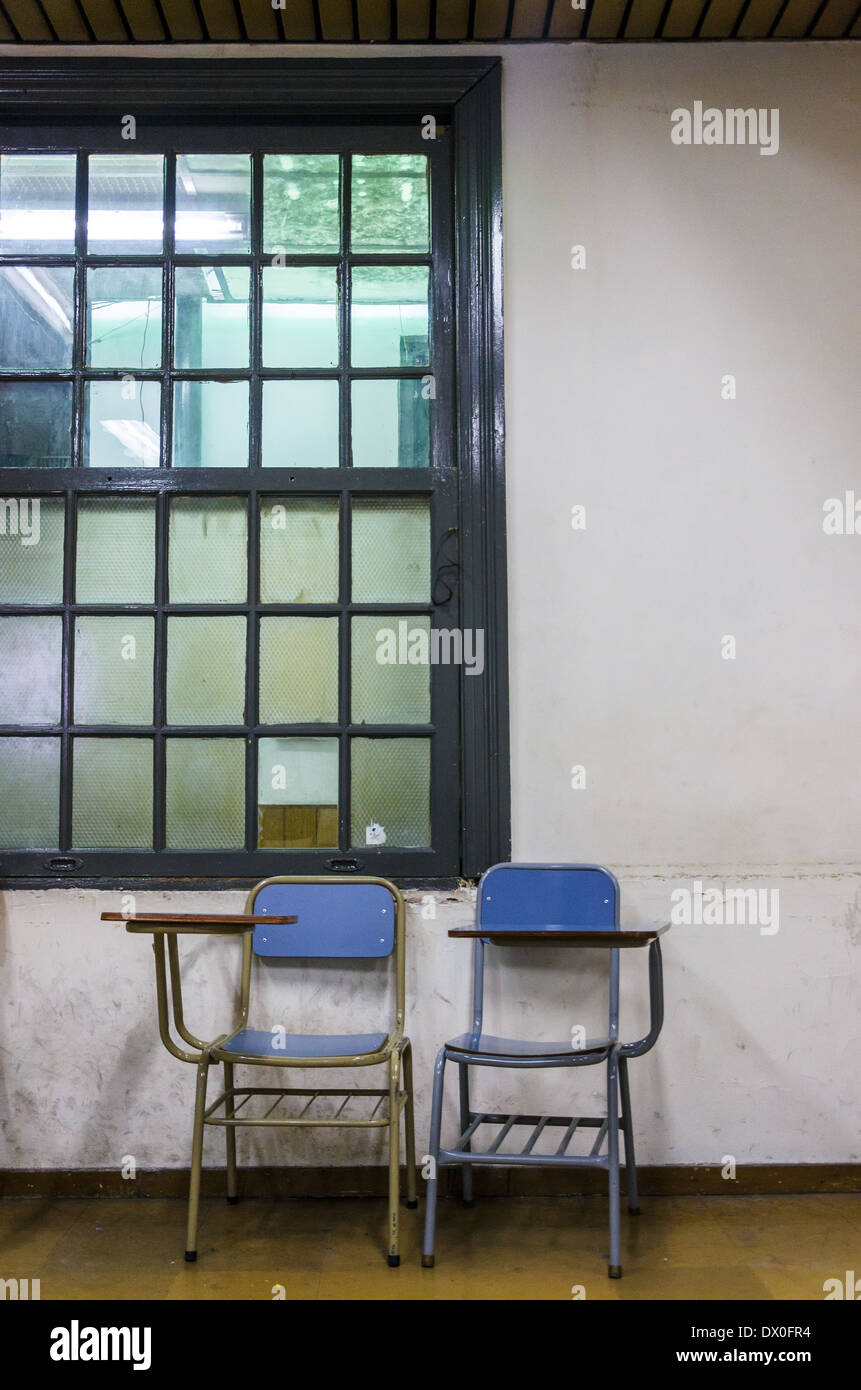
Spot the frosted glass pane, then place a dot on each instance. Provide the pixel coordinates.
(299, 550)
(124, 316)
(205, 793)
(31, 549)
(391, 550)
(116, 550)
(389, 316)
(390, 791)
(210, 424)
(35, 424)
(126, 204)
(391, 670)
(29, 793)
(113, 670)
(208, 555)
(389, 204)
(206, 670)
(300, 316)
(30, 654)
(297, 796)
(37, 204)
(213, 203)
(298, 670)
(112, 791)
(301, 427)
(301, 203)
(37, 310)
(122, 424)
(390, 424)
(211, 327)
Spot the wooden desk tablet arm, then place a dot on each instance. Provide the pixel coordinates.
(170, 925)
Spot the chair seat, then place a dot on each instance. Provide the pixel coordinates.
(488, 1046)
(256, 1042)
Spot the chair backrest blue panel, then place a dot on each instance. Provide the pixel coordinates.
(548, 895)
(335, 919)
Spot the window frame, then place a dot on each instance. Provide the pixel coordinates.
(463, 95)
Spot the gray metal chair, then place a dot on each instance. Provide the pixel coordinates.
(546, 904)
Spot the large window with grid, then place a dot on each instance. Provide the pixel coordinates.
(229, 607)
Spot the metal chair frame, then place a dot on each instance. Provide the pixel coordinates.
(466, 1053)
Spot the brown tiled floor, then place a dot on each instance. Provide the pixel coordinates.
(680, 1247)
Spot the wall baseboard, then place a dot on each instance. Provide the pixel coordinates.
(760, 1179)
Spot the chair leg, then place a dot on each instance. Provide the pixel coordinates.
(410, 1127)
(628, 1123)
(614, 1268)
(433, 1155)
(394, 1158)
(466, 1168)
(196, 1158)
(230, 1135)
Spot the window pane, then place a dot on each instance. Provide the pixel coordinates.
(126, 201)
(35, 424)
(297, 793)
(213, 203)
(116, 550)
(208, 555)
(389, 316)
(112, 786)
(210, 424)
(29, 793)
(389, 204)
(299, 550)
(390, 791)
(390, 424)
(31, 549)
(30, 652)
(37, 204)
(206, 670)
(300, 316)
(391, 550)
(301, 203)
(37, 310)
(211, 316)
(124, 316)
(298, 670)
(205, 793)
(122, 424)
(113, 670)
(391, 670)
(301, 427)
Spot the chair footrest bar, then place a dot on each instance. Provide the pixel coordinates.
(233, 1100)
(449, 1157)
(464, 1150)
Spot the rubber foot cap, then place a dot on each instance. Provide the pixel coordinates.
(394, 1261)
(614, 1271)
(427, 1261)
(190, 1256)
(413, 1204)
(233, 1201)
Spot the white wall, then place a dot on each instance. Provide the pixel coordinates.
(704, 518)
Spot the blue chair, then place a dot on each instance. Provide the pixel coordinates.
(561, 905)
(328, 919)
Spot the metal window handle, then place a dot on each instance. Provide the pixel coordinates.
(63, 864)
(345, 866)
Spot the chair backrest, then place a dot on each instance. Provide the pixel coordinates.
(541, 896)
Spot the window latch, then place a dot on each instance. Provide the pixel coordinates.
(345, 866)
(63, 864)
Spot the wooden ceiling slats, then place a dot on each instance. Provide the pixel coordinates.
(28, 20)
(796, 19)
(721, 19)
(834, 19)
(182, 21)
(414, 19)
(528, 20)
(375, 19)
(566, 22)
(760, 16)
(261, 21)
(491, 19)
(452, 19)
(606, 18)
(682, 19)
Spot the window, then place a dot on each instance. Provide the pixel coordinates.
(232, 636)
